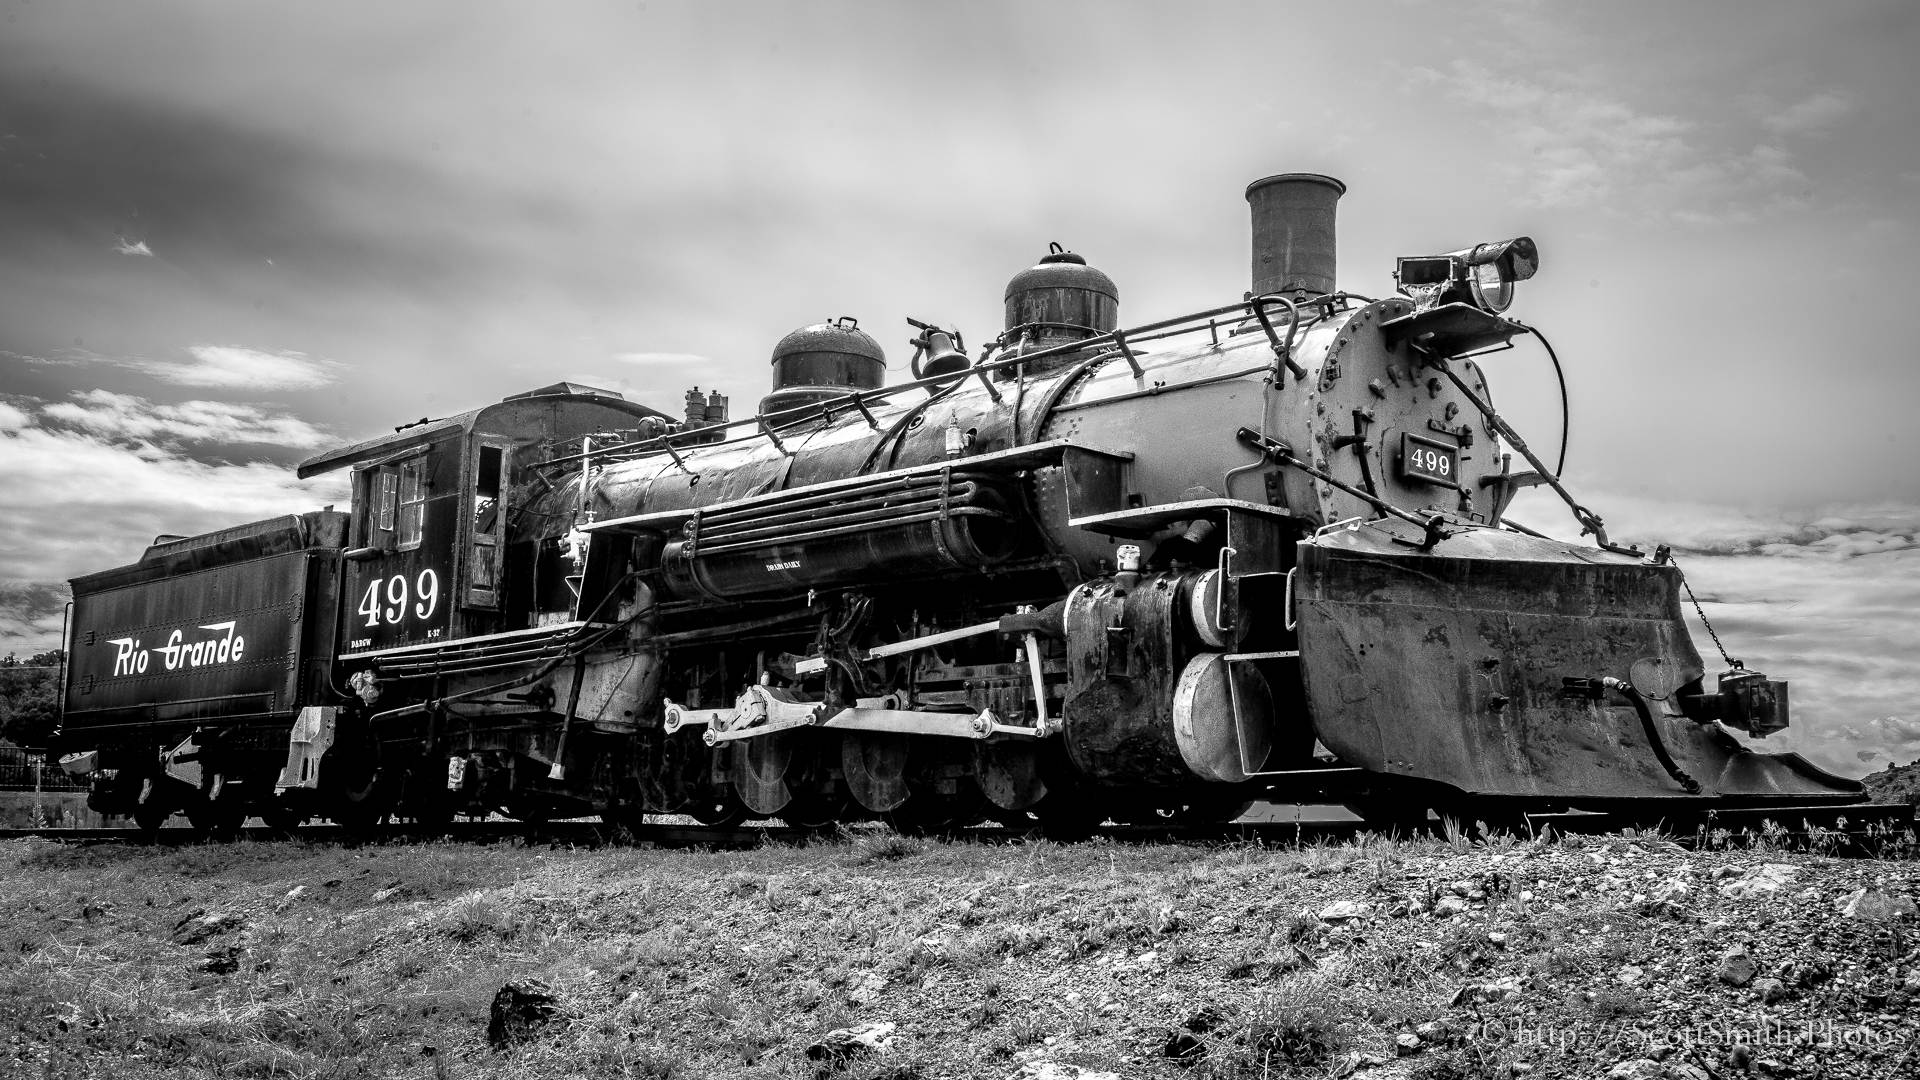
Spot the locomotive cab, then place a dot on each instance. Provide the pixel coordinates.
(429, 558)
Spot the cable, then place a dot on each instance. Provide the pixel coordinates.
(1566, 432)
(1652, 732)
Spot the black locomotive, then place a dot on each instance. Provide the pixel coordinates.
(1255, 551)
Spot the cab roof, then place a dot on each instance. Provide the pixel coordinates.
(426, 430)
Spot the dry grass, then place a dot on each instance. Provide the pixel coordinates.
(383, 961)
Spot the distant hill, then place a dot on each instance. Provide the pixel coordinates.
(1895, 784)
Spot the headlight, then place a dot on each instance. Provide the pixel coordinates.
(1492, 290)
(1482, 275)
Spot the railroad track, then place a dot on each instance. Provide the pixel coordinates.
(1877, 831)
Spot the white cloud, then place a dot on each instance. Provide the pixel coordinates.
(1587, 147)
(1706, 528)
(1841, 628)
(1584, 143)
(127, 417)
(125, 246)
(31, 616)
(645, 359)
(1811, 115)
(224, 366)
(237, 367)
(75, 501)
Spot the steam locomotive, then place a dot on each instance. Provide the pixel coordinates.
(1257, 551)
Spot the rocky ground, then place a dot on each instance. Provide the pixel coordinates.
(875, 956)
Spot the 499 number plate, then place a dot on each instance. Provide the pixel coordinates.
(1428, 460)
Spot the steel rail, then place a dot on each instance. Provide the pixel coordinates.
(1859, 830)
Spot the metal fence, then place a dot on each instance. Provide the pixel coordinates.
(29, 770)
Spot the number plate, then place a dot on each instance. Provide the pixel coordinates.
(1429, 461)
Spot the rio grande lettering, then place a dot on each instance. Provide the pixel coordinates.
(178, 653)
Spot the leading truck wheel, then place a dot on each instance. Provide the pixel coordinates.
(358, 791)
(930, 812)
(424, 797)
(150, 813)
(816, 811)
(217, 820)
(282, 813)
(151, 809)
(720, 811)
(217, 812)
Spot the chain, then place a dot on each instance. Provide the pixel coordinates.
(1702, 612)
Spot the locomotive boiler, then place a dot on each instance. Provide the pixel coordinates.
(1094, 571)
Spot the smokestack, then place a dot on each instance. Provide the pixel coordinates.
(1293, 232)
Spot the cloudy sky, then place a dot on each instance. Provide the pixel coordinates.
(231, 234)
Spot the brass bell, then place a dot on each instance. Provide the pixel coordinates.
(937, 353)
(941, 356)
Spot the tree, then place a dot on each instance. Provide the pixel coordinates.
(30, 697)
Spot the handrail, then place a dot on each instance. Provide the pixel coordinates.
(1122, 339)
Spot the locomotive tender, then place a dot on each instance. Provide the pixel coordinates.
(1255, 551)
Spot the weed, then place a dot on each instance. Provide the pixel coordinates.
(1246, 962)
(656, 1063)
(1083, 1018)
(1466, 948)
(1773, 838)
(1474, 1062)
(1821, 841)
(984, 1012)
(1085, 934)
(776, 894)
(1145, 919)
(1026, 1029)
(411, 966)
(1619, 1003)
(1302, 928)
(1325, 860)
(1385, 866)
(885, 847)
(740, 884)
(1616, 949)
(1296, 1027)
(478, 916)
(1397, 969)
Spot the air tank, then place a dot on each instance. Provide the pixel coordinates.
(1058, 300)
(1293, 249)
(822, 362)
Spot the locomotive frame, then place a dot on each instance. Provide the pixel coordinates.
(1146, 573)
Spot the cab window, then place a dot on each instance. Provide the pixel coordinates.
(385, 488)
(412, 503)
(392, 498)
(486, 492)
